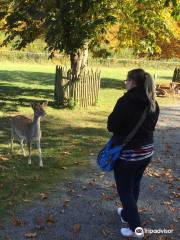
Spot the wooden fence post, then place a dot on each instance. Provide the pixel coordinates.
(176, 75)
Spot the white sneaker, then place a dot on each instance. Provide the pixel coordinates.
(127, 232)
(119, 210)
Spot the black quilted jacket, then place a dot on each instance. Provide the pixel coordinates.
(126, 113)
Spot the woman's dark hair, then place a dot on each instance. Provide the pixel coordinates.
(142, 78)
(138, 75)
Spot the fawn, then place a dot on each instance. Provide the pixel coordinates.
(25, 129)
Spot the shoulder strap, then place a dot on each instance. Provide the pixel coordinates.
(139, 123)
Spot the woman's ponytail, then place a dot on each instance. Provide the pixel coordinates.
(150, 91)
(144, 79)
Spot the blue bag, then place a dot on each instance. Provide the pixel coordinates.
(108, 156)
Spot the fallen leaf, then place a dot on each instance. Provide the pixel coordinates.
(177, 195)
(30, 234)
(151, 173)
(44, 196)
(66, 203)
(162, 173)
(65, 168)
(101, 176)
(50, 220)
(17, 222)
(105, 231)
(3, 158)
(79, 195)
(167, 203)
(26, 200)
(143, 210)
(172, 209)
(77, 163)
(153, 219)
(71, 190)
(152, 187)
(76, 228)
(66, 153)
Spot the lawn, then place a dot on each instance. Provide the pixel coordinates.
(70, 137)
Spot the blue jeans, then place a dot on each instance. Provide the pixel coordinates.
(128, 175)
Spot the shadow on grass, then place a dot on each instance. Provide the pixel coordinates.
(27, 77)
(112, 83)
(12, 96)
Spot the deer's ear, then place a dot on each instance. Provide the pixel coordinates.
(33, 105)
(44, 104)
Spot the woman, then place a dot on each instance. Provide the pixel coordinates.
(137, 154)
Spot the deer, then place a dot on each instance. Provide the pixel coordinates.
(29, 131)
(165, 88)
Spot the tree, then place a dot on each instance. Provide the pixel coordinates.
(147, 27)
(159, 26)
(71, 26)
(67, 25)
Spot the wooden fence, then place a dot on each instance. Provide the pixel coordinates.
(176, 76)
(83, 92)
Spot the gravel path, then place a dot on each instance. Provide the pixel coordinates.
(85, 209)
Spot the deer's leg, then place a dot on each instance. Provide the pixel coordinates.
(40, 155)
(22, 147)
(29, 149)
(12, 139)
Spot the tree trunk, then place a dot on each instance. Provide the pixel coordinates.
(79, 61)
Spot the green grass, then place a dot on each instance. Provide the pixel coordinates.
(69, 136)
